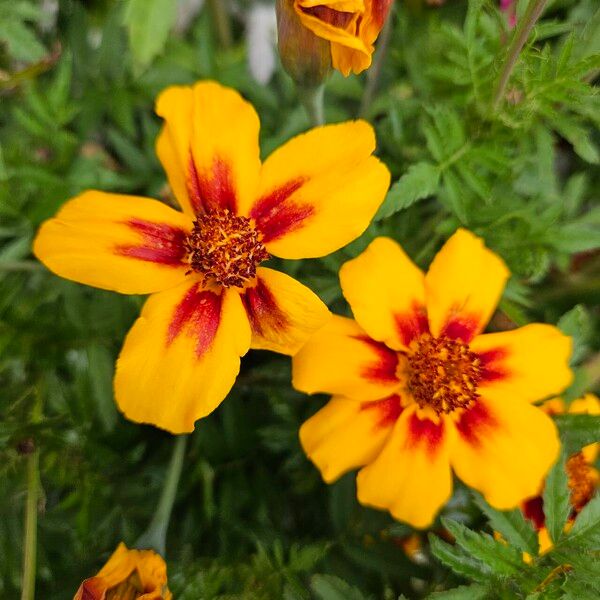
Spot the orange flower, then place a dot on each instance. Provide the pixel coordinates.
(128, 575)
(419, 391)
(351, 27)
(211, 297)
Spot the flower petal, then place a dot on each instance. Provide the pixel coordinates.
(587, 405)
(528, 363)
(386, 292)
(411, 477)
(341, 359)
(464, 285)
(504, 449)
(181, 356)
(127, 244)
(320, 190)
(282, 312)
(209, 147)
(346, 434)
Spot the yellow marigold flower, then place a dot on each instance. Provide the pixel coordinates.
(582, 476)
(211, 297)
(351, 27)
(128, 575)
(419, 391)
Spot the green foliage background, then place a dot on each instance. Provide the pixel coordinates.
(252, 518)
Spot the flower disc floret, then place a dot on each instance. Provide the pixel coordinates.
(225, 248)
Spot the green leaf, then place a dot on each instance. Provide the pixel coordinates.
(100, 369)
(420, 181)
(463, 592)
(557, 504)
(585, 533)
(500, 558)
(579, 137)
(328, 587)
(513, 526)
(577, 431)
(148, 23)
(459, 561)
(22, 42)
(576, 324)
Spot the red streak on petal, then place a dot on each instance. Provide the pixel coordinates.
(490, 369)
(331, 16)
(425, 432)
(160, 243)
(461, 327)
(199, 314)
(412, 325)
(213, 190)
(533, 509)
(383, 369)
(388, 409)
(91, 589)
(475, 423)
(380, 10)
(263, 311)
(275, 215)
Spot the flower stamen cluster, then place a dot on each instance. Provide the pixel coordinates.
(582, 482)
(225, 248)
(443, 374)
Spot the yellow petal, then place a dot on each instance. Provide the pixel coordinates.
(181, 356)
(411, 477)
(588, 405)
(346, 434)
(209, 146)
(504, 449)
(463, 286)
(341, 359)
(386, 292)
(123, 243)
(529, 363)
(320, 190)
(282, 312)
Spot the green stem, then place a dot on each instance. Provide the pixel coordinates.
(526, 24)
(222, 22)
(374, 73)
(313, 100)
(31, 514)
(155, 536)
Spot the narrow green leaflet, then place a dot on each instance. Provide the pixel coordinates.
(576, 323)
(513, 526)
(463, 592)
(585, 533)
(556, 499)
(328, 587)
(420, 181)
(577, 431)
(459, 561)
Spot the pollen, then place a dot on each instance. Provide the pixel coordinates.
(442, 373)
(225, 248)
(582, 481)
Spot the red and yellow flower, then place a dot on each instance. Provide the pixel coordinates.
(128, 575)
(350, 26)
(419, 391)
(582, 476)
(211, 297)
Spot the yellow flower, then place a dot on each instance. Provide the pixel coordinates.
(582, 476)
(128, 575)
(419, 391)
(351, 27)
(211, 300)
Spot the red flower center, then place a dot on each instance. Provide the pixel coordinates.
(442, 373)
(225, 248)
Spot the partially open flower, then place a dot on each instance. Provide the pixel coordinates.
(349, 26)
(420, 392)
(128, 575)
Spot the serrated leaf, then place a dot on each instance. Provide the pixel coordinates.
(420, 181)
(463, 592)
(577, 431)
(557, 504)
(459, 561)
(513, 526)
(585, 533)
(500, 558)
(148, 24)
(328, 587)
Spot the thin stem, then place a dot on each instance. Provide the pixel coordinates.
(222, 22)
(374, 73)
(155, 536)
(526, 24)
(31, 514)
(313, 101)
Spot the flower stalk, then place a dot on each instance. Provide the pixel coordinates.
(312, 99)
(222, 22)
(155, 536)
(526, 24)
